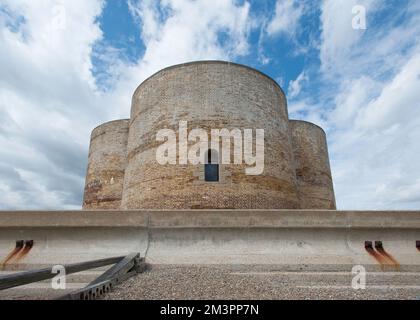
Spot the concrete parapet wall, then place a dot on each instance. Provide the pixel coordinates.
(283, 237)
(211, 218)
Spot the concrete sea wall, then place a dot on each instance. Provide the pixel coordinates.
(294, 239)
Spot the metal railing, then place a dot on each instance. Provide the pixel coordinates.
(123, 268)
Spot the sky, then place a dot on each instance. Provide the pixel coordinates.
(68, 66)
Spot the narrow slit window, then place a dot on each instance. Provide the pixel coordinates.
(211, 168)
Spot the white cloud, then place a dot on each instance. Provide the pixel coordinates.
(379, 144)
(352, 96)
(191, 31)
(295, 86)
(286, 18)
(49, 100)
(374, 118)
(399, 101)
(338, 36)
(345, 52)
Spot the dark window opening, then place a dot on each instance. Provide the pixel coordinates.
(211, 168)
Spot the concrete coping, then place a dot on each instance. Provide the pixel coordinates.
(211, 219)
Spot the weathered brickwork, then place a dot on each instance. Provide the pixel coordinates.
(312, 166)
(208, 95)
(106, 166)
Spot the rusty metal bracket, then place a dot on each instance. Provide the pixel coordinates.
(21, 249)
(18, 247)
(379, 245)
(377, 251)
(368, 245)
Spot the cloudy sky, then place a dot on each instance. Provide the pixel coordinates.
(67, 66)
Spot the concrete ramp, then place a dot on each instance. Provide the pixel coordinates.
(289, 239)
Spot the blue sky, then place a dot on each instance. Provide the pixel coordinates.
(67, 66)
(121, 31)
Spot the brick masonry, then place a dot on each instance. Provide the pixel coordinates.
(106, 166)
(123, 172)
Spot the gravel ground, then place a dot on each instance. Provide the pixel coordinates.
(253, 283)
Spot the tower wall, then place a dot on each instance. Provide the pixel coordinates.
(312, 166)
(124, 173)
(209, 95)
(106, 166)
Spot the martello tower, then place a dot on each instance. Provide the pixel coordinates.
(123, 172)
